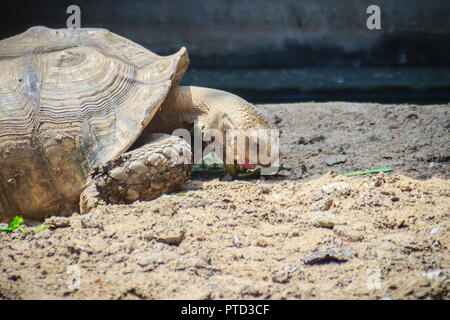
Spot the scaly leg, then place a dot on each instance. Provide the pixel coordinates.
(145, 173)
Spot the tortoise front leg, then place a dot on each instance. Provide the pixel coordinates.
(159, 166)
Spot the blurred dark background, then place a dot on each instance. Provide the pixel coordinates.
(280, 50)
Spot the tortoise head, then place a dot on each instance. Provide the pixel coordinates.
(219, 115)
(249, 138)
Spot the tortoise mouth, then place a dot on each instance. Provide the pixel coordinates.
(247, 165)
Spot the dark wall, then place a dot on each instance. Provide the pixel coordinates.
(258, 35)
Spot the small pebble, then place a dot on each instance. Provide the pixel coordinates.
(281, 277)
(330, 255)
(335, 159)
(437, 229)
(236, 241)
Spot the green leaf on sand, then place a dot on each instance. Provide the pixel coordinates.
(281, 168)
(213, 165)
(371, 171)
(250, 173)
(256, 172)
(40, 228)
(14, 224)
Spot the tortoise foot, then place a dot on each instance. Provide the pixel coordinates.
(159, 166)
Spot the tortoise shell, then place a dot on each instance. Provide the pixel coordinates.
(71, 99)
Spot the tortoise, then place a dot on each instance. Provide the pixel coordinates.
(87, 116)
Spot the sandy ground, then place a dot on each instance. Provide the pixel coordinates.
(301, 235)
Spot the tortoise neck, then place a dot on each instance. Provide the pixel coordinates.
(185, 99)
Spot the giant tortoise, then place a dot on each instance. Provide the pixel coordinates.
(86, 118)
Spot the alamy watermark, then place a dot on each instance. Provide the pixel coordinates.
(374, 20)
(232, 146)
(74, 20)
